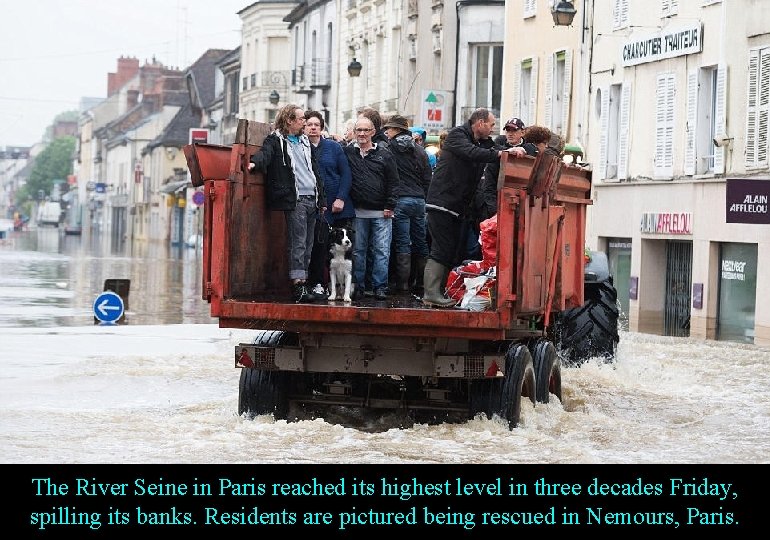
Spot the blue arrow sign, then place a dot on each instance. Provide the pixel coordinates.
(108, 307)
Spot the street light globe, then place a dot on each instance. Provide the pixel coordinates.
(354, 68)
(274, 97)
(563, 13)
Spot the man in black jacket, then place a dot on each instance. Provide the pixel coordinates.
(374, 193)
(414, 174)
(294, 186)
(450, 197)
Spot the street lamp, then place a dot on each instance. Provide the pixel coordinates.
(354, 68)
(274, 97)
(563, 13)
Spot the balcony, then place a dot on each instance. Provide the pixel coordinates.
(300, 80)
(321, 74)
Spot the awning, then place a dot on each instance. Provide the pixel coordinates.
(173, 187)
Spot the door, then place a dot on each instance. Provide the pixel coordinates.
(676, 321)
(737, 292)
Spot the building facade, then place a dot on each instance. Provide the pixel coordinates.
(265, 59)
(679, 95)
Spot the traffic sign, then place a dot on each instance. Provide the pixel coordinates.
(198, 198)
(108, 307)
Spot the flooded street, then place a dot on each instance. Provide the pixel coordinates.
(52, 279)
(162, 388)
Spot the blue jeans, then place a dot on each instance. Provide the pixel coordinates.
(372, 234)
(409, 226)
(300, 225)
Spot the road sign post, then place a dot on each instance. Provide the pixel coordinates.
(108, 307)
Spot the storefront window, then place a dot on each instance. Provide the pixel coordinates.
(737, 292)
(619, 256)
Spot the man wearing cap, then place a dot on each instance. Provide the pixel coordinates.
(513, 138)
(467, 149)
(415, 174)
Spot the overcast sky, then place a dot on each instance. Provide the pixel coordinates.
(53, 52)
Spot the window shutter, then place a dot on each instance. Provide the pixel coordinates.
(549, 91)
(752, 110)
(605, 123)
(533, 93)
(664, 126)
(764, 107)
(720, 125)
(530, 7)
(620, 14)
(625, 130)
(692, 117)
(566, 92)
(517, 89)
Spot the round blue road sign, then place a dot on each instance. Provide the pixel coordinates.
(108, 307)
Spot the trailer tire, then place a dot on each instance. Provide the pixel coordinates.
(266, 391)
(590, 330)
(484, 396)
(519, 380)
(547, 370)
(262, 391)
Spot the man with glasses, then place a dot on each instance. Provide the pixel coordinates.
(374, 193)
(294, 185)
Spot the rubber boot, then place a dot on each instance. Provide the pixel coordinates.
(434, 285)
(403, 268)
(419, 271)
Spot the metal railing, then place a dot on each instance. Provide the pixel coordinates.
(321, 74)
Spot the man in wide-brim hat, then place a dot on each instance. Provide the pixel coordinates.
(409, 227)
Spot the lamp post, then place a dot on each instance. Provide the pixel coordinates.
(563, 13)
(274, 97)
(354, 68)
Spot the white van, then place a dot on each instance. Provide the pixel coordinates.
(49, 213)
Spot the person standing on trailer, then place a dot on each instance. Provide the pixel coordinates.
(294, 185)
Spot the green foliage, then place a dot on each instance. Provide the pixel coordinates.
(53, 163)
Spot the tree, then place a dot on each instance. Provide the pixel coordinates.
(53, 163)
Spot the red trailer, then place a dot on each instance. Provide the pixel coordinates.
(437, 364)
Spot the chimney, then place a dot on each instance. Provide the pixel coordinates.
(127, 69)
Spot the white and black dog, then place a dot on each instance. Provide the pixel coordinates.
(341, 263)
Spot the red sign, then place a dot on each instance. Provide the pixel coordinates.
(199, 135)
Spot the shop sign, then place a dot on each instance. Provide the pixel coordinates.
(734, 270)
(747, 201)
(199, 135)
(666, 223)
(664, 44)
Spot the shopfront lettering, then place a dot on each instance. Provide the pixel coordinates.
(662, 45)
(666, 223)
(747, 200)
(734, 270)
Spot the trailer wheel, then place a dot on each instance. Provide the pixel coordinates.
(547, 370)
(484, 396)
(519, 381)
(264, 391)
(590, 330)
